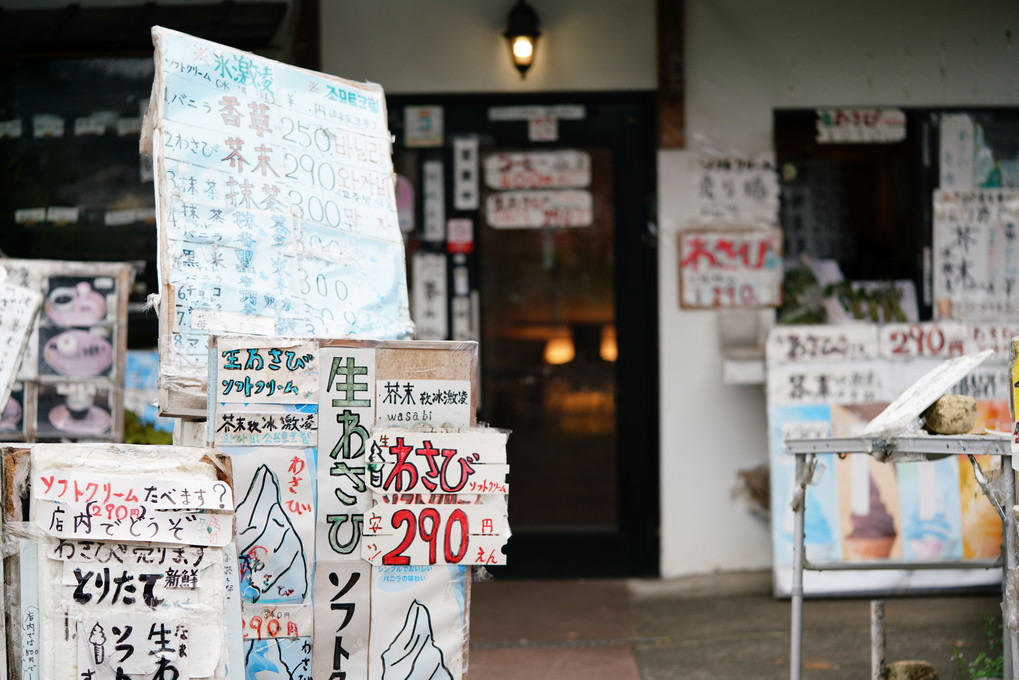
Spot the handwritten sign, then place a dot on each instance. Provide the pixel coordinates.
(924, 340)
(130, 554)
(730, 268)
(251, 371)
(275, 200)
(533, 209)
(860, 126)
(18, 307)
(564, 169)
(264, 427)
(472, 462)
(735, 190)
(792, 344)
(858, 383)
(976, 257)
(130, 496)
(408, 402)
(279, 621)
(435, 534)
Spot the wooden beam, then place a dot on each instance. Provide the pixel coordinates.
(671, 61)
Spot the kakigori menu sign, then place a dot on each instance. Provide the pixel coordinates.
(275, 205)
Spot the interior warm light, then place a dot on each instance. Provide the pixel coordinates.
(608, 350)
(522, 33)
(559, 349)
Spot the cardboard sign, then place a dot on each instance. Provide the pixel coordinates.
(275, 202)
(730, 268)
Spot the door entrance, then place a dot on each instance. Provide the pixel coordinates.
(540, 207)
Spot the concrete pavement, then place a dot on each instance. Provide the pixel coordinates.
(720, 626)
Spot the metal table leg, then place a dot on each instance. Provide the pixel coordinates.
(799, 508)
(1010, 639)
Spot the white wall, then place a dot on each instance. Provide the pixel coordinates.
(743, 58)
(445, 46)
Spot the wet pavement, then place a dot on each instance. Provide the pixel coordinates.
(719, 626)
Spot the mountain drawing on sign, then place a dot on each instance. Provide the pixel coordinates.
(413, 654)
(271, 554)
(278, 659)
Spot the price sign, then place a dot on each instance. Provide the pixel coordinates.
(924, 340)
(420, 535)
(730, 268)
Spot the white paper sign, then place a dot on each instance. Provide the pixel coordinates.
(730, 268)
(806, 344)
(735, 190)
(18, 307)
(466, 182)
(248, 370)
(347, 411)
(956, 152)
(860, 126)
(472, 462)
(976, 257)
(534, 209)
(438, 403)
(433, 201)
(562, 169)
(422, 535)
(343, 620)
(430, 295)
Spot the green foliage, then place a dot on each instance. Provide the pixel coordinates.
(137, 432)
(989, 664)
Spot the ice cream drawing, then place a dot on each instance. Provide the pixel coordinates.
(271, 552)
(413, 654)
(873, 528)
(97, 638)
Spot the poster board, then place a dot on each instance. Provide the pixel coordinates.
(298, 419)
(70, 384)
(90, 605)
(830, 381)
(268, 178)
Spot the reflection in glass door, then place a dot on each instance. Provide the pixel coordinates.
(548, 320)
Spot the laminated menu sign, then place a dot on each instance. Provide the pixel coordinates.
(70, 382)
(276, 207)
(95, 605)
(314, 604)
(873, 381)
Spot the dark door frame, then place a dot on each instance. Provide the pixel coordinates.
(624, 122)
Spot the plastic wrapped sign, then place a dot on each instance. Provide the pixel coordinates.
(276, 207)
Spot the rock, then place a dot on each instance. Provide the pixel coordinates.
(951, 414)
(911, 670)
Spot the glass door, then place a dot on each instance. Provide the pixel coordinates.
(553, 260)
